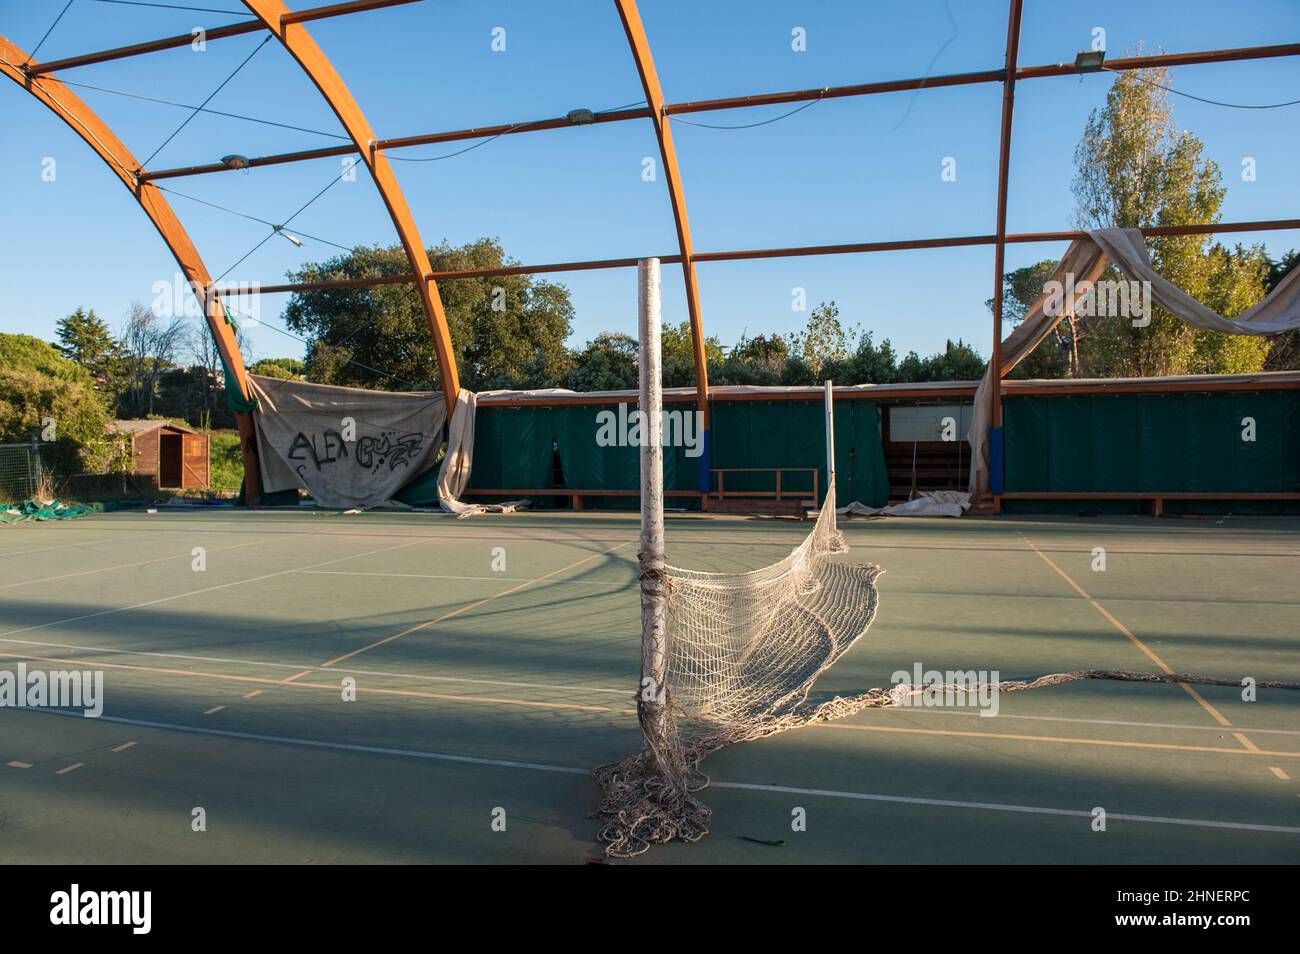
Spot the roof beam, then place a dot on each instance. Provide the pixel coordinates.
(654, 96)
(293, 35)
(404, 142)
(957, 241)
(761, 99)
(216, 33)
(65, 104)
(1004, 175)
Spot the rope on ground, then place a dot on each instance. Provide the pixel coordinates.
(642, 804)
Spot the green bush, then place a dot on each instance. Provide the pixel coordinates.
(23, 352)
(226, 461)
(31, 401)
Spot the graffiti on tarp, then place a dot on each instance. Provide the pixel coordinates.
(330, 448)
(372, 453)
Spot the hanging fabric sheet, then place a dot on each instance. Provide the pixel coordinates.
(1078, 269)
(454, 475)
(347, 447)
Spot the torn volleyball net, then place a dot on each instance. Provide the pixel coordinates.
(744, 651)
(732, 657)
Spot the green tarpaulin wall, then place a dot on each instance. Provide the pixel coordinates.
(793, 434)
(513, 449)
(1180, 442)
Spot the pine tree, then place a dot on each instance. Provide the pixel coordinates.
(86, 339)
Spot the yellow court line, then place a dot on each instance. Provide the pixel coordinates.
(1240, 737)
(1279, 773)
(569, 706)
(471, 606)
(1117, 743)
(1215, 713)
(123, 747)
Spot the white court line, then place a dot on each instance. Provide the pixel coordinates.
(895, 592)
(485, 579)
(206, 589)
(739, 786)
(62, 546)
(331, 669)
(574, 688)
(1143, 725)
(127, 566)
(997, 807)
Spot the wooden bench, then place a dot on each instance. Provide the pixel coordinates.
(775, 503)
(576, 494)
(1157, 497)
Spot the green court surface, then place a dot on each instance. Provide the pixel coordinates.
(481, 689)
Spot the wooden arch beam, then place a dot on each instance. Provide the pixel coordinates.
(645, 66)
(85, 123)
(277, 18)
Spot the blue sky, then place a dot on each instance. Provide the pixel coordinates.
(848, 170)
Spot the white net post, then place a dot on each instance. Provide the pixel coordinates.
(830, 439)
(654, 621)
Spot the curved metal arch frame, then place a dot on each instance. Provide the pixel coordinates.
(645, 65)
(312, 60)
(79, 117)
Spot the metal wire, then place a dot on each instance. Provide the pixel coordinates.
(47, 33)
(174, 6)
(1200, 99)
(219, 88)
(202, 109)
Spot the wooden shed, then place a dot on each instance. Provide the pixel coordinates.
(173, 455)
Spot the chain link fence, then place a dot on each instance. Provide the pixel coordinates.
(20, 471)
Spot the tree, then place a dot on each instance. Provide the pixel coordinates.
(287, 369)
(207, 364)
(503, 328)
(760, 360)
(607, 363)
(1285, 353)
(1134, 168)
(40, 389)
(957, 362)
(149, 343)
(86, 339)
(1058, 354)
(823, 341)
(678, 355)
(869, 364)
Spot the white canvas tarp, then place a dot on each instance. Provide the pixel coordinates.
(454, 475)
(1084, 262)
(936, 503)
(347, 447)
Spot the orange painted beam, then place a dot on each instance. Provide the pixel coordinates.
(216, 33)
(654, 94)
(85, 123)
(1004, 172)
(278, 19)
